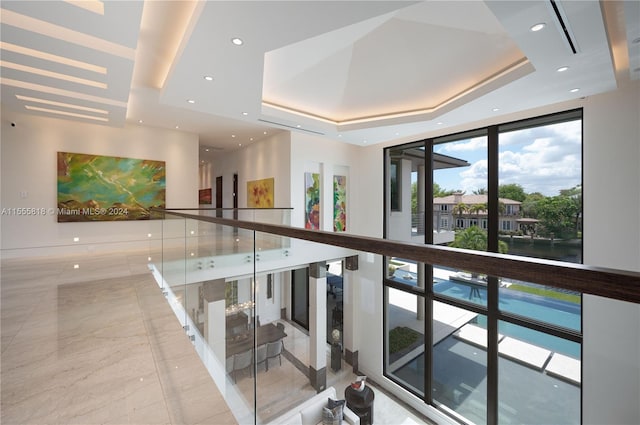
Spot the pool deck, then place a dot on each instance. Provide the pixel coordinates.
(554, 364)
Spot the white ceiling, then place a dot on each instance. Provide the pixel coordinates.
(362, 72)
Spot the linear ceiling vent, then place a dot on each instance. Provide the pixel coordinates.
(290, 126)
(563, 26)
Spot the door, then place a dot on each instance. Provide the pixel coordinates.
(300, 297)
(219, 196)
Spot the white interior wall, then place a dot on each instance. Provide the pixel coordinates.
(261, 160)
(316, 154)
(611, 365)
(29, 180)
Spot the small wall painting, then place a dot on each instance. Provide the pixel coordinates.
(339, 203)
(204, 196)
(312, 201)
(260, 193)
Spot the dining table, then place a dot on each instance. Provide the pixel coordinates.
(244, 341)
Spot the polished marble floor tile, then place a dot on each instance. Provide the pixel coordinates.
(89, 345)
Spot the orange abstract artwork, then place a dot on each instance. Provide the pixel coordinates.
(260, 193)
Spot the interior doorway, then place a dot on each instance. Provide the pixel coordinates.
(334, 301)
(219, 196)
(300, 297)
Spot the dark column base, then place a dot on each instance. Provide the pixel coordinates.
(351, 357)
(318, 378)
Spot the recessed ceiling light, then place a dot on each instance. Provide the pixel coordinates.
(245, 113)
(239, 144)
(538, 27)
(339, 135)
(574, 90)
(206, 150)
(439, 123)
(139, 121)
(191, 101)
(208, 77)
(298, 126)
(264, 133)
(237, 41)
(177, 127)
(251, 139)
(495, 109)
(562, 69)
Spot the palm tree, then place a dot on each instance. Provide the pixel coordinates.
(476, 239)
(460, 209)
(477, 209)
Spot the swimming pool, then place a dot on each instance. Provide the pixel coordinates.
(559, 313)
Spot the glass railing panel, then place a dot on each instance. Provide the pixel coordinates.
(460, 362)
(543, 367)
(405, 339)
(295, 313)
(173, 251)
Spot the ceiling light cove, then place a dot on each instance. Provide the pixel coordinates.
(65, 113)
(454, 95)
(95, 6)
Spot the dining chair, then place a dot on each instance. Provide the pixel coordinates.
(241, 361)
(274, 349)
(229, 364)
(261, 356)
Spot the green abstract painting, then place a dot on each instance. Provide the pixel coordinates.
(339, 203)
(108, 188)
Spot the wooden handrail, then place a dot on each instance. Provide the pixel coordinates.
(621, 285)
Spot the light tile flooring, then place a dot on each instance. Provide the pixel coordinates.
(97, 343)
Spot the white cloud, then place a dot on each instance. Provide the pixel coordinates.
(464, 146)
(542, 159)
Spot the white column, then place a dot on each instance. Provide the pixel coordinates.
(318, 325)
(214, 328)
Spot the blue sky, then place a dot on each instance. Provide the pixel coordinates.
(541, 159)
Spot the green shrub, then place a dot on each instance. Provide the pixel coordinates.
(401, 338)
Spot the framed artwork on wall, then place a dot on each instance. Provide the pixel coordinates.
(204, 196)
(260, 193)
(339, 203)
(108, 188)
(312, 201)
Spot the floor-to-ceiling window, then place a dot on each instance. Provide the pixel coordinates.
(487, 349)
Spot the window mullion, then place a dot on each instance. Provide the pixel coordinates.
(492, 281)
